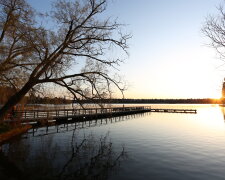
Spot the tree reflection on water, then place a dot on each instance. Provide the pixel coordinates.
(85, 158)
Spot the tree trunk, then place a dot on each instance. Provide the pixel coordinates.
(13, 100)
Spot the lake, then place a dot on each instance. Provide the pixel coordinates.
(143, 146)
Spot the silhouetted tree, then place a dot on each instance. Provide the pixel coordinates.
(214, 29)
(72, 52)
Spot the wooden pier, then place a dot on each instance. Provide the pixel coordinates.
(75, 115)
(79, 115)
(175, 110)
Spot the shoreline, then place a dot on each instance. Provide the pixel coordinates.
(13, 133)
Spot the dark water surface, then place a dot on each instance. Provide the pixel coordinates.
(145, 146)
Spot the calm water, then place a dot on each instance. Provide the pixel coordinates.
(144, 146)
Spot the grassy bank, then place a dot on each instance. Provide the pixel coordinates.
(7, 132)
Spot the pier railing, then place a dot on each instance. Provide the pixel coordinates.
(76, 115)
(67, 113)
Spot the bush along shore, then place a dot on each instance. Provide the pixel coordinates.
(7, 132)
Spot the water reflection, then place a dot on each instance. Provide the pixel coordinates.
(160, 146)
(79, 158)
(62, 152)
(67, 127)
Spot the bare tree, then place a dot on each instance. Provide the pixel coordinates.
(214, 29)
(73, 52)
(15, 22)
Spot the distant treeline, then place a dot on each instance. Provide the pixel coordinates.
(6, 92)
(47, 100)
(156, 101)
(56, 100)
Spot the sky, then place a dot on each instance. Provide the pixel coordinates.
(168, 54)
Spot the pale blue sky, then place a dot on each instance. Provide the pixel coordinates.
(168, 56)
